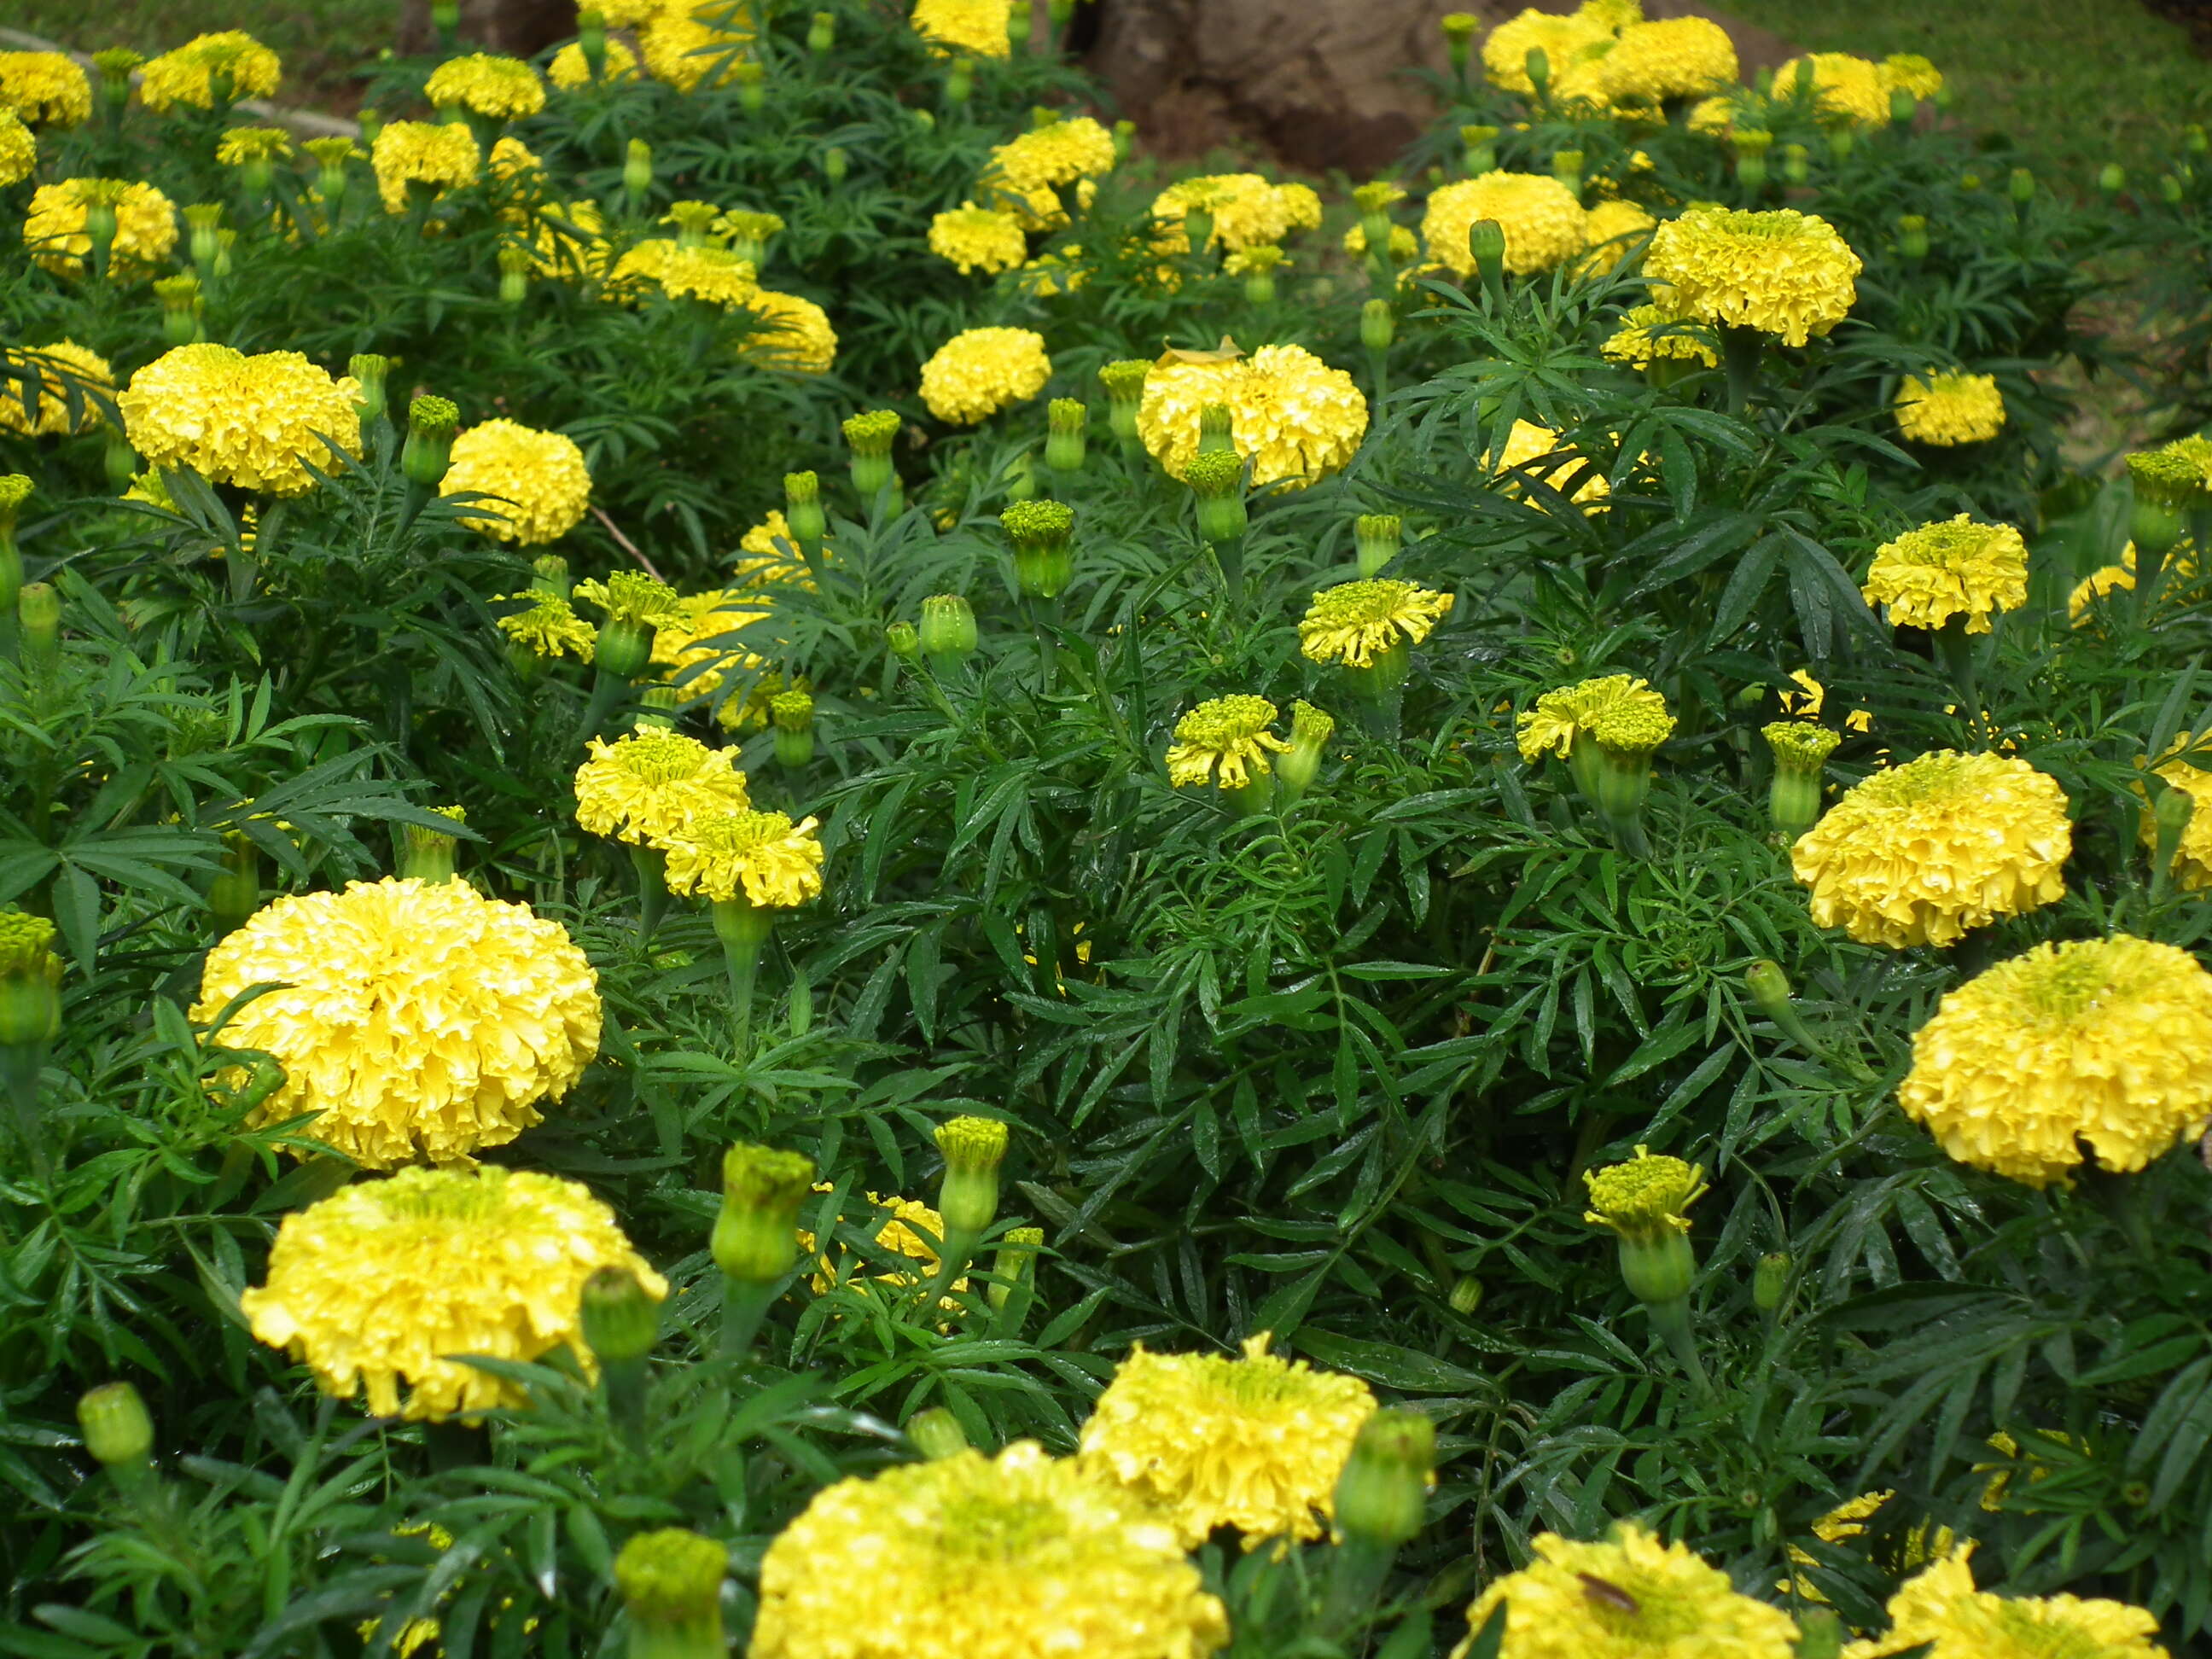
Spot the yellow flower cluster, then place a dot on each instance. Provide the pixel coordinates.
(684, 49)
(59, 367)
(790, 333)
(381, 1285)
(1941, 1615)
(771, 862)
(1026, 176)
(1650, 334)
(1562, 716)
(1295, 418)
(909, 1226)
(1529, 441)
(1907, 71)
(568, 71)
(45, 89)
(500, 88)
(2106, 1042)
(1612, 231)
(691, 648)
(145, 226)
(1574, 45)
(980, 371)
(1248, 211)
(771, 553)
(1545, 226)
(647, 788)
(253, 421)
(1949, 409)
(1229, 733)
(1954, 568)
(420, 1019)
(189, 76)
(970, 1558)
(1918, 854)
(1255, 1444)
(549, 627)
(1843, 88)
(1353, 622)
(976, 27)
(2192, 859)
(978, 239)
(1627, 1595)
(19, 151)
(1784, 272)
(1672, 58)
(438, 156)
(539, 479)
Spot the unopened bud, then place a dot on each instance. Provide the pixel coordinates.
(902, 639)
(428, 454)
(1466, 1295)
(619, 1317)
(637, 168)
(1377, 328)
(30, 979)
(1382, 1496)
(753, 86)
(1538, 67)
(2021, 186)
(2111, 177)
(959, 81)
(793, 715)
(1769, 1281)
(1378, 537)
(1567, 168)
(974, 1147)
(1125, 394)
(869, 435)
(802, 508)
(1216, 478)
(1796, 163)
(1486, 244)
(936, 1433)
(1770, 988)
(368, 370)
(756, 1237)
(1902, 106)
(1043, 535)
(1912, 235)
(822, 32)
(1066, 419)
(948, 629)
(514, 275)
(117, 1428)
(428, 854)
(836, 160)
(39, 615)
(670, 1581)
(1014, 1269)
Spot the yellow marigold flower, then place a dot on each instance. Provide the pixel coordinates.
(1255, 1444)
(538, 478)
(1784, 272)
(188, 74)
(772, 554)
(2103, 1041)
(568, 70)
(1954, 568)
(1943, 1608)
(440, 157)
(19, 151)
(1674, 57)
(1612, 230)
(502, 88)
(1626, 1597)
(1295, 418)
(1529, 441)
(60, 366)
(256, 421)
(773, 863)
(568, 241)
(145, 226)
(1056, 154)
(1925, 1543)
(715, 275)
(514, 163)
(1719, 116)
(791, 333)
(46, 89)
(2193, 859)
(1543, 222)
(970, 1558)
(243, 144)
(1566, 40)
(1351, 623)
(647, 787)
(910, 1226)
(1949, 409)
(631, 596)
(974, 238)
(975, 27)
(1908, 71)
(1405, 246)
(632, 14)
(1248, 210)
(380, 1285)
(980, 371)
(421, 1020)
(1652, 333)
(1645, 1195)
(1560, 717)
(691, 648)
(1844, 88)
(682, 49)
(1228, 732)
(1918, 854)
(549, 628)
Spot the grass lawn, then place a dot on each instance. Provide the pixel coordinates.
(319, 40)
(2084, 82)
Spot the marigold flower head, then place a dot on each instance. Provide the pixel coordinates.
(1545, 226)
(256, 421)
(1058, 153)
(19, 150)
(1529, 441)
(1844, 89)
(974, 238)
(1954, 568)
(1918, 854)
(1626, 1597)
(773, 863)
(420, 1020)
(771, 552)
(502, 88)
(1612, 231)
(980, 371)
(976, 27)
(1799, 746)
(243, 144)
(909, 1228)
(1942, 1609)
(1230, 733)
(60, 368)
(440, 156)
(970, 1558)
(1560, 717)
(145, 226)
(682, 49)
(1351, 623)
(1783, 273)
(549, 627)
(1567, 41)
(570, 69)
(1648, 1194)
(45, 89)
(1294, 417)
(1650, 334)
(631, 597)
(691, 648)
(2192, 859)
(514, 163)
(189, 75)
(790, 333)
(1248, 210)
(1405, 246)
(1255, 1442)
(382, 1285)
(2106, 1042)
(649, 787)
(1671, 57)
(539, 479)
(1949, 409)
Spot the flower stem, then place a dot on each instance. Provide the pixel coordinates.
(745, 1302)
(743, 927)
(1741, 351)
(650, 864)
(1670, 1322)
(21, 1063)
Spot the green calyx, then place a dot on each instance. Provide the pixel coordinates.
(1125, 380)
(756, 1237)
(670, 1576)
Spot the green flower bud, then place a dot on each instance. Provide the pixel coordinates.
(1567, 168)
(1125, 393)
(902, 640)
(369, 370)
(39, 615)
(1216, 478)
(2021, 186)
(657, 710)
(670, 1581)
(429, 854)
(869, 436)
(1801, 754)
(1538, 67)
(1770, 988)
(1796, 163)
(1479, 152)
(620, 1321)
(756, 1234)
(1042, 534)
(1641, 1201)
(591, 41)
(974, 1147)
(1014, 1269)
(936, 1433)
(1912, 235)
(1378, 537)
(1486, 244)
(1770, 1282)
(1377, 328)
(372, 122)
(2111, 177)
(180, 307)
(1466, 1295)
(836, 161)
(637, 168)
(959, 81)
(1381, 1496)
(792, 714)
(822, 32)
(1902, 106)
(1066, 419)
(802, 508)
(429, 450)
(948, 627)
(30, 981)
(1297, 769)
(514, 274)
(1216, 429)
(549, 573)
(117, 1429)
(753, 86)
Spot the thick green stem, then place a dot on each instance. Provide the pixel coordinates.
(607, 691)
(1358, 1567)
(743, 927)
(650, 864)
(1956, 648)
(1741, 351)
(1670, 1322)
(623, 1379)
(745, 1302)
(1229, 556)
(21, 1064)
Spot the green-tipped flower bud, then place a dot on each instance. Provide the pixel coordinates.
(1014, 1269)
(1478, 149)
(756, 1234)
(118, 1430)
(204, 221)
(549, 573)
(1903, 105)
(1842, 141)
(1198, 229)
(903, 639)
(792, 712)
(836, 161)
(692, 220)
(752, 85)
(1750, 147)
(1642, 1201)
(1912, 235)
(1801, 754)
(1043, 533)
(2111, 177)
(620, 1319)
(39, 616)
(1374, 202)
(1796, 163)
(2169, 484)
(670, 1581)
(974, 1147)
(371, 121)
(1215, 430)
(1216, 477)
(1125, 394)
(749, 234)
(1296, 770)
(2021, 186)
(1378, 537)
(1626, 737)
(115, 65)
(1066, 419)
(592, 41)
(1567, 168)
(369, 370)
(802, 508)
(429, 854)
(822, 32)
(1377, 327)
(429, 450)
(1770, 988)
(936, 1433)
(1770, 1282)
(514, 274)
(1382, 1496)
(1458, 27)
(948, 629)
(1537, 65)
(959, 81)
(637, 169)
(1466, 1295)
(1486, 244)
(15, 490)
(1125, 140)
(30, 981)
(1260, 266)
(180, 307)
(870, 434)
